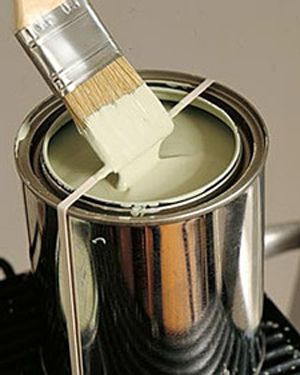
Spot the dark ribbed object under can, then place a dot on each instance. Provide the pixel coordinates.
(21, 326)
(22, 333)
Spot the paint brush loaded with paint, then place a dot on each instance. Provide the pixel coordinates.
(165, 277)
(112, 106)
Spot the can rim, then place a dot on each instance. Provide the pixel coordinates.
(158, 205)
(260, 150)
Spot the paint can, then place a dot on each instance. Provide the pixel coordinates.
(171, 286)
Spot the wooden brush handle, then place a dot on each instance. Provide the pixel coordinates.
(26, 11)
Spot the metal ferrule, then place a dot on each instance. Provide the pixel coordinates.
(68, 45)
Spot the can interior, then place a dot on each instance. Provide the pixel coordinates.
(63, 167)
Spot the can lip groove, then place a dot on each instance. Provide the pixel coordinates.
(252, 121)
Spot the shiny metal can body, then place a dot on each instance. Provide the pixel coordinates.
(177, 291)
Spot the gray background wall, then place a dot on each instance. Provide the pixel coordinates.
(252, 46)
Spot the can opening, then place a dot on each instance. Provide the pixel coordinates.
(200, 156)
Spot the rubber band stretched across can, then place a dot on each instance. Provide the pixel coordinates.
(174, 286)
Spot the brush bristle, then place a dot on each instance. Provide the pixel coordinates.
(105, 87)
(119, 115)
(121, 132)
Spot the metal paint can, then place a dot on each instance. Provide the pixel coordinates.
(178, 289)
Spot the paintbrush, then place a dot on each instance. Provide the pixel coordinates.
(111, 105)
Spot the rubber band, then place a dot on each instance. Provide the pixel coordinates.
(68, 261)
(188, 99)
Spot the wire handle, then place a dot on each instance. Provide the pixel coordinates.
(6, 268)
